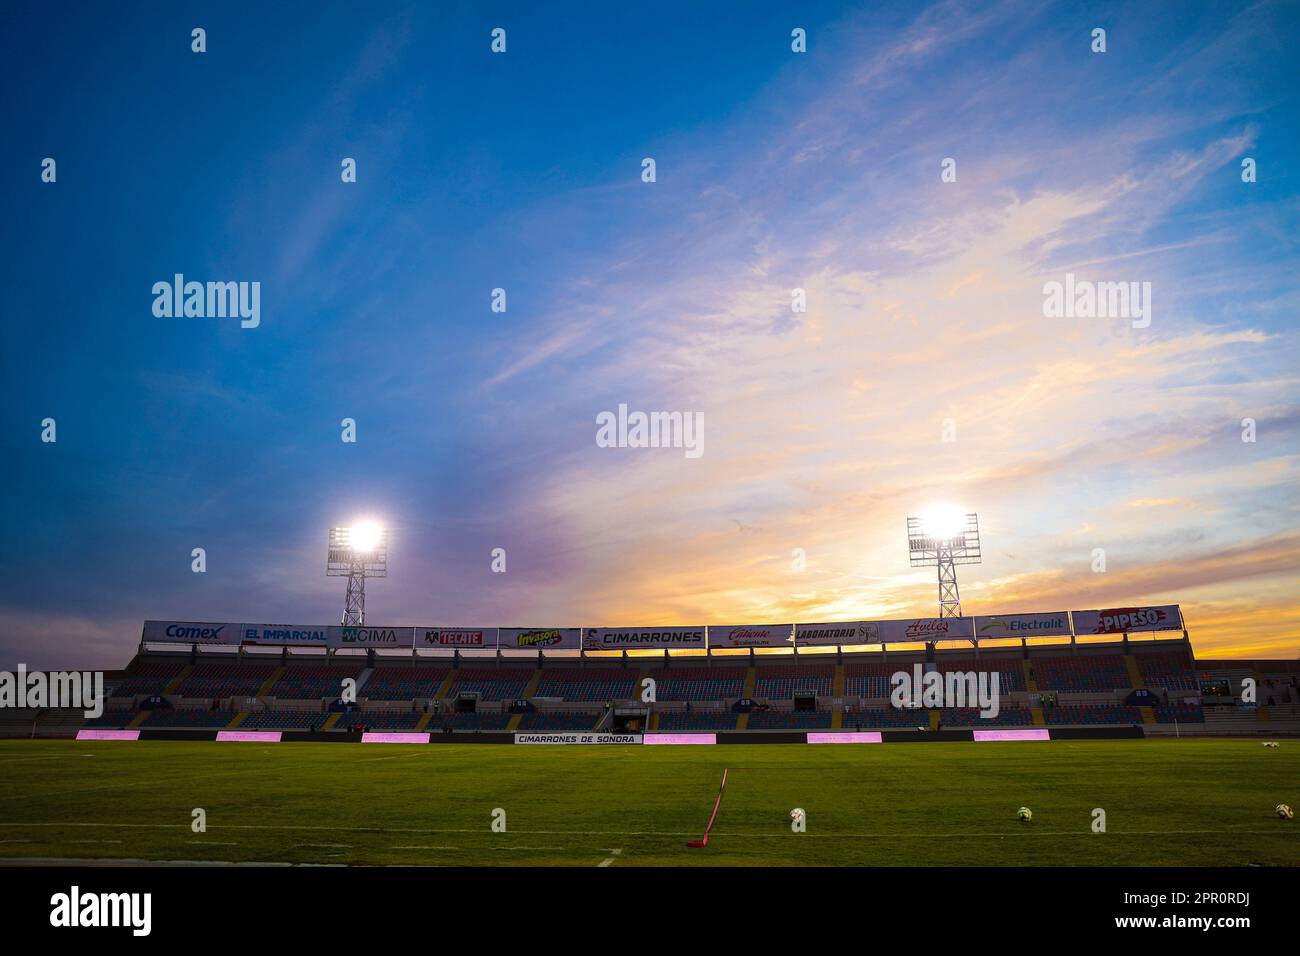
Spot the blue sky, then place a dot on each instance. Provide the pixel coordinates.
(775, 171)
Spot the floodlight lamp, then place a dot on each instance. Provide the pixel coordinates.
(944, 522)
(365, 536)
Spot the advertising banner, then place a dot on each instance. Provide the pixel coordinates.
(564, 738)
(751, 635)
(616, 638)
(456, 637)
(825, 635)
(399, 638)
(288, 634)
(1044, 624)
(189, 632)
(547, 638)
(926, 629)
(1117, 620)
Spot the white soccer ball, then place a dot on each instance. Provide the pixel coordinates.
(1283, 811)
(1024, 814)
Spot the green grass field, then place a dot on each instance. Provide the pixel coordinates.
(1168, 802)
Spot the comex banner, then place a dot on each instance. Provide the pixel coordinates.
(189, 632)
(1045, 624)
(1117, 620)
(751, 635)
(546, 638)
(616, 638)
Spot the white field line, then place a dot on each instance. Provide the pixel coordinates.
(781, 832)
(610, 859)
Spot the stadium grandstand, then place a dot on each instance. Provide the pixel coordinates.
(1153, 684)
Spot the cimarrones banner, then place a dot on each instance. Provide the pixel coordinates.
(751, 635)
(617, 638)
(456, 637)
(1037, 624)
(545, 638)
(1118, 620)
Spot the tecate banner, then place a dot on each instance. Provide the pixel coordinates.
(926, 629)
(395, 637)
(1117, 620)
(450, 637)
(577, 738)
(547, 638)
(822, 635)
(1045, 624)
(751, 635)
(614, 638)
(296, 635)
(189, 632)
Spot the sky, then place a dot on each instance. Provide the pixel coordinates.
(923, 370)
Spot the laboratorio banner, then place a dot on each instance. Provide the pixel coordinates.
(617, 638)
(1117, 620)
(456, 637)
(189, 632)
(825, 635)
(751, 635)
(1042, 624)
(532, 638)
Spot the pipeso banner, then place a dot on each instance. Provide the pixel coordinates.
(1118, 620)
(619, 638)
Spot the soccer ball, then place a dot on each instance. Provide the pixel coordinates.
(1024, 814)
(1283, 811)
(1270, 743)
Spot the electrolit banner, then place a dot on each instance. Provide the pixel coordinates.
(1045, 624)
(751, 635)
(1117, 620)
(546, 638)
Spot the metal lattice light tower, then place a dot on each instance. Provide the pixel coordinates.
(943, 539)
(357, 553)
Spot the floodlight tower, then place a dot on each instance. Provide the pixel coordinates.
(944, 538)
(357, 553)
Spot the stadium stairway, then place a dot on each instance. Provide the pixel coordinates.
(265, 689)
(236, 720)
(1148, 715)
(178, 679)
(331, 720)
(139, 719)
(423, 722)
(837, 690)
(751, 678)
(445, 685)
(362, 678)
(1135, 676)
(1031, 685)
(1036, 717)
(529, 690)
(934, 720)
